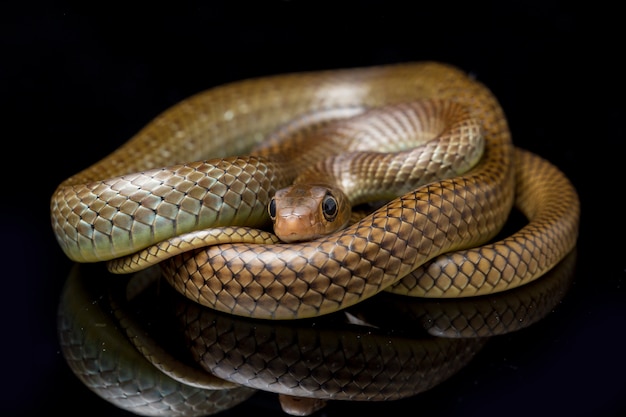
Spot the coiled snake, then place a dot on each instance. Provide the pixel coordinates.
(425, 242)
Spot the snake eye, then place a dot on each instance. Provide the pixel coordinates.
(271, 208)
(329, 207)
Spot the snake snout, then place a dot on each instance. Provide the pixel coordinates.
(296, 224)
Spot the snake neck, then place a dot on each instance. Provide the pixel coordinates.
(385, 152)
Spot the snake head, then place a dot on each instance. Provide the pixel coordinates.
(304, 212)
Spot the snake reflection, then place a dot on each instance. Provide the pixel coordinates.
(215, 361)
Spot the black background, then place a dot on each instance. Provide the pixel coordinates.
(76, 81)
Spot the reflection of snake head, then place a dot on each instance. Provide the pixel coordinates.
(304, 212)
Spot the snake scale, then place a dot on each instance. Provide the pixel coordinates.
(431, 241)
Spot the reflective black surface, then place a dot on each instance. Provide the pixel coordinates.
(76, 81)
(143, 347)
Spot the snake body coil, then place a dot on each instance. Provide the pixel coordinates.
(127, 202)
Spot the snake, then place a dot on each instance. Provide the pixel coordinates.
(435, 240)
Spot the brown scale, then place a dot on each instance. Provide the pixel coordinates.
(99, 219)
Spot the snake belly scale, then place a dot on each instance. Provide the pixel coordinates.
(128, 201)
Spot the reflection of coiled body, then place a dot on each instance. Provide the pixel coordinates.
(98, 352)
(342, 362)
(97, 219)
(322, 358)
